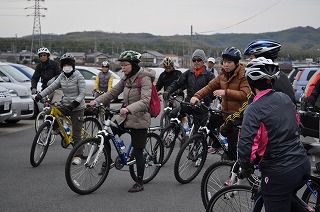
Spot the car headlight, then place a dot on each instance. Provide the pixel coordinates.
(13, 92)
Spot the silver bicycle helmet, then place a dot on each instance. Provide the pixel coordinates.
(263, 48)
(262, 68)
(67, 58)
(105, 64)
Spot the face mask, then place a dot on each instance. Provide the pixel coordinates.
(67, 69)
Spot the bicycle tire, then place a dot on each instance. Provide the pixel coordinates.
(38, 148)
(185, 168)
(164, 120)
(232, 198)
(84, 178)
(91, 126)
(169, 136)
(39, 121)
(153, 155)
(214, 179)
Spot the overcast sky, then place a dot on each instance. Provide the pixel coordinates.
(165, 17)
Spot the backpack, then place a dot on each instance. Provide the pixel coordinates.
(155, 102)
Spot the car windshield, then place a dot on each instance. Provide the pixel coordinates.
(15, 73)
(27, 69)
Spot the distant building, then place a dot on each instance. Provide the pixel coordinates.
(80, 57)
(151, 58)
(96, 58)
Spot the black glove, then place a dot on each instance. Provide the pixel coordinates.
(226, 129)
(165, 95)
(38, 97)
(33, 91)
(310, 109)
(245, 173)
(73, 105)
(310, 112)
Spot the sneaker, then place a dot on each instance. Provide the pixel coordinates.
(198, 162)
(76, 161)
(136, 188)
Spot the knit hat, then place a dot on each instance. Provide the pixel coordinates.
(199, 54)
(211, 59)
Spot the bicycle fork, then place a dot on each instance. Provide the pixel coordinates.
(92, 149)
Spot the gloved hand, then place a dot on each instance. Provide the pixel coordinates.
(310, 111)
(245, 173)
(165, 95)
(38, 97)
(33, 91)
(73, 105)
(226, 129)
(51, 81)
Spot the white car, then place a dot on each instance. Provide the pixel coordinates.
(5, 104)
(90, 74)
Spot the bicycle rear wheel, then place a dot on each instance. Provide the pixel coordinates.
(190, 159)
(232, 198)
(309, 196)
(169, 136)
(91, 126)
(215, 178)
(84, 178)
(153, 155)
(40, 144)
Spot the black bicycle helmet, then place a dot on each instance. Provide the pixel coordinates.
(167, 61)
(67, 58)
(232, 54)
(263, 48)
(130, 56)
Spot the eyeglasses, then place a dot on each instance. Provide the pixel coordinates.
(197, 60)
(125, 65)
(42, 55)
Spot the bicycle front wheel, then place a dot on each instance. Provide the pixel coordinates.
(84, 178)
(169, 136)
(164, 120)
(234, 198)
(309, 196)
(215, 178)
(40, 144)
(153, 156)
(190, 159)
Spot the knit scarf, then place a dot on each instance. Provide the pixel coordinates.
(198, 72)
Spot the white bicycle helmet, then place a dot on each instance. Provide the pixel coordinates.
(262, 68)
(44, 50)
(263, 48)
(105, 64)
(67, 58)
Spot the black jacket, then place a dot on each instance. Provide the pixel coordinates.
(166, 78)
(193, 84)
(45, 71)
(270, 135)
(314, 95)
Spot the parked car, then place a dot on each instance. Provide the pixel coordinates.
(301, 80)
(22, 103)
(90, 74)
(12, 74)
(26, 70)
(293, 74)
(309, 126)
(5, 104)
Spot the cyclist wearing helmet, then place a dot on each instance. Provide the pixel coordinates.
(103, 81)
(259, 48)
(233, 87)
(47, 70)
(134, 114)
(270, 138)
(73, 85)
(169, 75)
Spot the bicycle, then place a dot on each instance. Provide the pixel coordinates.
(85, 178)
(174, 130)
(54, 124)
(193, 153)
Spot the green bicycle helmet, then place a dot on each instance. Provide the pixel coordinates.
(130, 56)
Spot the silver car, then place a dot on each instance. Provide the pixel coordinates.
(12, 73)
(90, 74)
(22, 103)
(5, 104)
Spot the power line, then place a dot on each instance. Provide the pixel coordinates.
(241, 21)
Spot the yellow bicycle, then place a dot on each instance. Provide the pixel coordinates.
(54, 124)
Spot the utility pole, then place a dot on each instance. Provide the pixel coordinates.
(36, 33)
